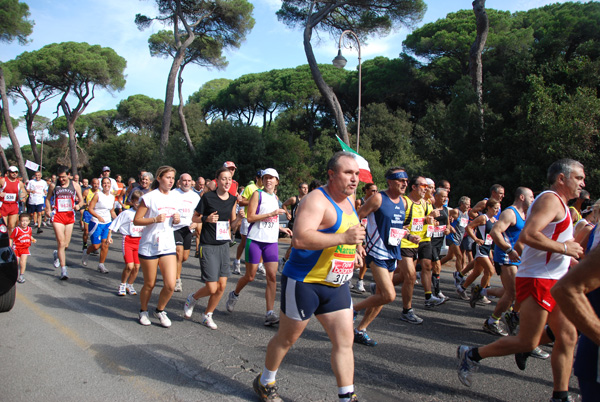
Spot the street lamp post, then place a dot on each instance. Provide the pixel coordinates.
(340, 62)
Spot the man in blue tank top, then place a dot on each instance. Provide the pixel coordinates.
(506, 260)
(385, 212)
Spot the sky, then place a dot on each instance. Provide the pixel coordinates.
(270, 45)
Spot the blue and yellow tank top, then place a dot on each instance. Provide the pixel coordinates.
(332, 266)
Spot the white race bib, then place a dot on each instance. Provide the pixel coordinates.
(341, 272)
(164, 241)
(396, 235)
(223, 232)
(364, 221)
(488, 240)
(417, 225)
(438, 231)
(10, 197)
(64, 205)
(463, 222)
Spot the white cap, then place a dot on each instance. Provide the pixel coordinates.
(429, 182)
(13, 169)
(270, 172)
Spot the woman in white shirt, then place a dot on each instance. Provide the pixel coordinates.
(157, 212)
(102, 209)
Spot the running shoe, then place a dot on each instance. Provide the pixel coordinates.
(231, 300)
(443, 297)
(433, 301)
(411, 317)
(484, 300)
(144, 319)
(363, 338)
(232, 243)
(178, 287)
(462, 293)
(354, 315)
(466, 366)
(271, 319)
(39, 231)
(360, 286)
(188, 307)
(282, 262)
(457, 278)
(21, 279)
(261, 269)
(102, 269)
(494, 328)
(207, 321)
(266, 394)
(539, 353)
(56, 261)
(162, 316)
(197, 255)
(512, 321)
(122, 290)
(131, 290)
(569, 399)
(63, 274)
(475, 295)
(84, 258)
(521, 360)
(84, 247)
(236, 268)
(351, 396)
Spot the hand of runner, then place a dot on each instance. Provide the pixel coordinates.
(213, 218)
(176, 218)
(355, 235)
(574, 249)
(160, 218)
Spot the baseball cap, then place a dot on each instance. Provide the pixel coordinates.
(271, 172)
(13, 169)
(105, 169)
(229, 164)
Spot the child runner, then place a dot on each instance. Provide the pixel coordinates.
(131, 241)
(21, 239)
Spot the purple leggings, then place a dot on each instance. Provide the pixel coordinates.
(256, 249)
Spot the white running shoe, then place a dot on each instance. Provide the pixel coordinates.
(164, 320)
(271, 319)
(84, 258)
(63, 274)
(231, 300)
(178, 287)
(102, 269)
(236, 268)
(188, 307)
(282, 262)
(122, 290)
(261, 269)
(208, 321)
(360, 286)
(56, 260)
(131, 290)
(144, 320)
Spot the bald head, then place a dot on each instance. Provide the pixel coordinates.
(185, 182)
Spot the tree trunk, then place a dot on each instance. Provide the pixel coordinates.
(31, 135)
(184, 127)
(10, 129)
(326, 90)
(4, 160)
(73, 146)
(475, 64)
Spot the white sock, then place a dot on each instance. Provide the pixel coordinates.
(267, 377)
(270, 312)
(346, 390)
(237, 261)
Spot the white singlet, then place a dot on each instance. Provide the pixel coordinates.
(103, 206)
(157, 238)
(188, 201)
(266, 230)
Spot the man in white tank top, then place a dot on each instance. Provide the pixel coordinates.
(548, 249)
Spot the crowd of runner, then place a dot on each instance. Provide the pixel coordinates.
(398, 234)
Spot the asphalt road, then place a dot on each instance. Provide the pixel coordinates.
(77, 340)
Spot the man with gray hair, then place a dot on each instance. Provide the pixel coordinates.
(548, 251)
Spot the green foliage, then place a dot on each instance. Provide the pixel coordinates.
(13, 21)
(140, 113)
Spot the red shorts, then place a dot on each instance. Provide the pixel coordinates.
(19, 251)
(65, 218)
(539, 289)
(9, 208)
(130, 249)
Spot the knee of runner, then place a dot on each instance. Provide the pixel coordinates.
(388, 297)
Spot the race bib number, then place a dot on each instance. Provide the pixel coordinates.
(341, 272)
(10, 197)
(363, 222)
(223, 232)
(417, 225)
(135, 231)
(64, 205)
(430, 229)
(269, 223)
(488, 240)
(464, 222)
(438, 231)
(396, 235)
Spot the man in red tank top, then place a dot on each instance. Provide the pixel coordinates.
(11, 192)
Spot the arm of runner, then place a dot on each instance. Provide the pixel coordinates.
(235, 220)
(371, 205)
(311, 213)
(507, 219)
(22, 192)
(92, 206)
(139, 219)
(474, 212)
(253, 206)
(48, 205)
(77, 188)
(469, 230)
(570, 294)
(543, 212)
